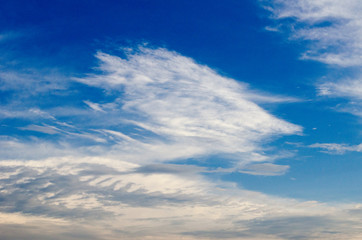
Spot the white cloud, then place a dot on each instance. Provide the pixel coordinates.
(192, 109)
(43, 129)
(26, 113)
(176, 108)
(94, 106)
(334, 28)
(335, 148)
(117, 199)
(345, 88)
(266, 169)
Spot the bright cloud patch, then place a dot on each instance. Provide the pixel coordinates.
(188, 105)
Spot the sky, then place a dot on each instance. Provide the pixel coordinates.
(140, 119)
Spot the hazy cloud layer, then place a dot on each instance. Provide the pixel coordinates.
(66, 196)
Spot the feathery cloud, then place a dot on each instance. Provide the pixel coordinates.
(332, 31)
(188, 105)
(334, 28)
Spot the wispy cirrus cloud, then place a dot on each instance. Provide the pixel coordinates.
(173, 108)
(185, 103)
(335, 148)
(31, 81)
(43, 129)
(333, 28)
(350, 89)
(332, 33)
(346, 88)
(265, 169)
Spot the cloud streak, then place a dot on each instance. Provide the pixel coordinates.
(335, 148)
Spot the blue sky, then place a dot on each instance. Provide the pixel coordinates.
(180, 120)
